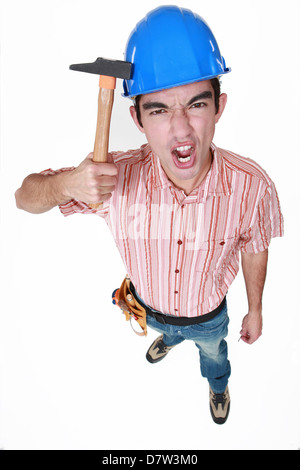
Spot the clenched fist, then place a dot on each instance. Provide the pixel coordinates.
(91, 182)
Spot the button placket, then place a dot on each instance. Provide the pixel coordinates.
(179, 258)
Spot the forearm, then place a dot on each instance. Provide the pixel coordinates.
(40, 193)
(255, 269)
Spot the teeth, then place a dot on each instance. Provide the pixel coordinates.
(184, 160)
(184, 148)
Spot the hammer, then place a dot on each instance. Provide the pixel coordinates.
(108, 70)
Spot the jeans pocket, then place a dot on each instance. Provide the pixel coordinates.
(215, 328)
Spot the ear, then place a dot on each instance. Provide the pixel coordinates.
(222, 104)
(135, 119)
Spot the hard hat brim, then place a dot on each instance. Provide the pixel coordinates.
(126, 94)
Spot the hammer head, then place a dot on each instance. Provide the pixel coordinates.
(108, 67)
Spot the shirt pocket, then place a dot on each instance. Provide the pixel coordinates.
(213, 256)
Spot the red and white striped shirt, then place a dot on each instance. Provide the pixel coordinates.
(182, 252)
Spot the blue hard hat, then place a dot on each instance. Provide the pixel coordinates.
(170, 47)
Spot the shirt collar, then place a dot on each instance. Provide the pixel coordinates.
(214, 184)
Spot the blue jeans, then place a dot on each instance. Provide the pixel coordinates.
(209, 339)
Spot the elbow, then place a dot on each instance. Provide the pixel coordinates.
(18, 197)
(22, 203)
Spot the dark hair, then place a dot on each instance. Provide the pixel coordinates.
(215, 83)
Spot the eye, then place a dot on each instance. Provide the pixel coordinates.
(198, 105)
(157, 112)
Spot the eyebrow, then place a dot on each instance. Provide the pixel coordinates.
(157, 105)
(154, 105)
(206, 95)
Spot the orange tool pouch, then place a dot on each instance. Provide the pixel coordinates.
(130, 306)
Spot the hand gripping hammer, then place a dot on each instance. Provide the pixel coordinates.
(108, 70)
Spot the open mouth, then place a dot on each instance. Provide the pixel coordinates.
(183, 155)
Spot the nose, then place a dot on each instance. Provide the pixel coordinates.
(180, 123)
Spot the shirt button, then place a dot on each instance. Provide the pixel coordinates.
(176, 292)
(179, 242)
(176, 271)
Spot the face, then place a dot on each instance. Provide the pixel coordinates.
(179, 125)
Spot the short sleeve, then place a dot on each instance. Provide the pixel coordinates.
(78, 207)
(267, 223)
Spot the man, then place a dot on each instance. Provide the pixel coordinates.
(180, 209)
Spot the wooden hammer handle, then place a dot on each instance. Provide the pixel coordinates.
(105, 104)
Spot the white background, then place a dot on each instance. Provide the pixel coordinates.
(73, 374)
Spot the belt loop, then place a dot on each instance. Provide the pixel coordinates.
(153, 315)
(159, 318)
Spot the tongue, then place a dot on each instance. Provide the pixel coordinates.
(184, 154)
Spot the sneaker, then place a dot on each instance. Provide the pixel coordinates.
(158, 350)
(219, 406)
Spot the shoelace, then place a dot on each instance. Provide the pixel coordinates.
(219, 399)
(162, 348)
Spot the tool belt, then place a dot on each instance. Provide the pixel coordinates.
(131, 308)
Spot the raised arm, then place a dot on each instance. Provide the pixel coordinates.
(90, 182)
